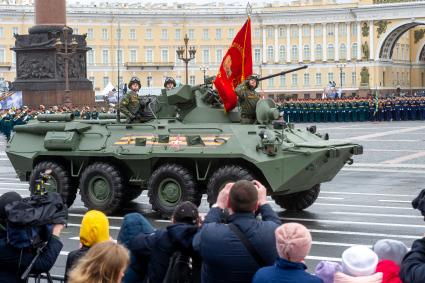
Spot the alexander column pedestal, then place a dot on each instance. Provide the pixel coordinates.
(41, 60)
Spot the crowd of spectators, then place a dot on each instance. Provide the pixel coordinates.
(241, 239)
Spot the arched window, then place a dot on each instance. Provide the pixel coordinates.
(319, 52)
(294, 53)
(342, 52)
(331, 52)
(270, 54)
(282, 53)
(354, 51)
(307, 52)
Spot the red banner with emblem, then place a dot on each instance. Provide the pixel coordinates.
(235, 67)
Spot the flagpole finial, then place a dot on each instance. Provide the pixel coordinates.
(248, 9)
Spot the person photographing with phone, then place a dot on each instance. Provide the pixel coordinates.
(234, 247)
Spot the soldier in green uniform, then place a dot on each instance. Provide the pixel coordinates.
(130, 104)
(248, 99)
(169, 83)
(318, 113)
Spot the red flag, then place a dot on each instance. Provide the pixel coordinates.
(235, 67)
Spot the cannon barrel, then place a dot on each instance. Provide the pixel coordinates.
(68, 117)
(283, 73)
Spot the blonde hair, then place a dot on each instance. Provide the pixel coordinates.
(103, 263)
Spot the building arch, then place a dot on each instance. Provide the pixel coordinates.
(389, 39)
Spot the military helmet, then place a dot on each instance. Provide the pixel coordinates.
(253, 77)
(169, 80)
(134, 80)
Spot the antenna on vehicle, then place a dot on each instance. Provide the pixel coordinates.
(118, 70)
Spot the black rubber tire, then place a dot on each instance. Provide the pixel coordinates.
(131, 193)
(115, 182)
(179, 174)
(63, 179)
(224, 175)
(298, 201)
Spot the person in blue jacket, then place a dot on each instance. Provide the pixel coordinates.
(293, 243)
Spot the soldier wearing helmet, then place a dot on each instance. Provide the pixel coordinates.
(169, 83)
(130, 104)
(248, 99)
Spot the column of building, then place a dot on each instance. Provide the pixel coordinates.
(312, 53)
(264, 59)
(276, 44)
(325, 47)
(348, 41)
(300, 43)
(336, 48)
(371, 43)
(288, 44)
(359, 41)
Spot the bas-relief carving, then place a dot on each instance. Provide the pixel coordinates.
(365, 50)
(419, 34)
(76, 66)
(35, 66)
(365, 30)
(364, 75)
(34, 40)
(381, 26)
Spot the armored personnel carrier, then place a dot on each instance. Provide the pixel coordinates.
(190, 147)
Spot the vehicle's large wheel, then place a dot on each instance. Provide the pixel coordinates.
(298, 201)
(101, 187)
(169, 185)
(131, 193)
(224, 175)
(60, 181)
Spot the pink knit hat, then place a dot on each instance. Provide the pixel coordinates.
(293, 241)
(344, 278)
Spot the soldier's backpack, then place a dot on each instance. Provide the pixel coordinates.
(179, 269)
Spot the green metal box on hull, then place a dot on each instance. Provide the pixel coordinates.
(192, 147)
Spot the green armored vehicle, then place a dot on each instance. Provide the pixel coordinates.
(190, 147)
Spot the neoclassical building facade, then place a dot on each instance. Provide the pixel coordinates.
(360, 45)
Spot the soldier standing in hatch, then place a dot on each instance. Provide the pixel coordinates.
(169, 83)
(248, 99)
(130, 104)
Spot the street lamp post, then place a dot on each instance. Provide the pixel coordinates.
(204, 69)
(189, 52)
(341, 66)
(66, 55)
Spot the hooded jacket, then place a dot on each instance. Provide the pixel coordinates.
(161, 245)
(94, 229)
(390, 271)
(134, 224)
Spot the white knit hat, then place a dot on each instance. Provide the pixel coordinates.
(359, 261)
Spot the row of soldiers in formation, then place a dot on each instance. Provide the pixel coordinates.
(9, 118)
(354, 109)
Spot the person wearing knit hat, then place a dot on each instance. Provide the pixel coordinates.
(326, 270)
(412, 269)
(94, 229)
(359, 261)
(390, 271)
(388, 249)
(293, 243)
(358, 265)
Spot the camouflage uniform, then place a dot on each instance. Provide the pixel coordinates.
(130, 106)
(248, 99)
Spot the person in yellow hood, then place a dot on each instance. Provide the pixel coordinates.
(94, 229)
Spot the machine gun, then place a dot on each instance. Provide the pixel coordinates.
(283, 73)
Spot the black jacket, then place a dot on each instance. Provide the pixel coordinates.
(412, 268)
(161, 245)
(224, 257)
(72, 259)
(13, 261)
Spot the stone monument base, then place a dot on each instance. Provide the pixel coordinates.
(33, 99)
